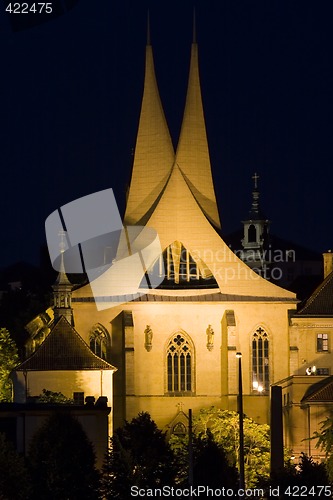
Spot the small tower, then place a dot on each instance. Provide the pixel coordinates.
(62, 290)
(255, 241)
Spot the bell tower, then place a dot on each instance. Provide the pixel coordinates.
(256, 229)
(62, 290)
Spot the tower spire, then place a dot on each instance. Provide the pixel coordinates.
(148, 28)
(194, 27)
(256, 229)
(192, 155)
(62, 288)
(154, 153)
(255, 197)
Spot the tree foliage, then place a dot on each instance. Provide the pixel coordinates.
(325, 436)
(138, 456)
(62, 461)
(325, 442)
(307, 474)
(53, 397)
(224, 428)
(14, 477)
(8, 360)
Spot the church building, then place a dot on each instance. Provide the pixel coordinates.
(174, 347)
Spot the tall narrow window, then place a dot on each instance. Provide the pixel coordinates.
(179, 364)
(260, 361)
(322, 342)
(99, 341)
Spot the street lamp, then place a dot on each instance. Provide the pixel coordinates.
(241, 429)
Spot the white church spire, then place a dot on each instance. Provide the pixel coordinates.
(192, 155)
(154, 153)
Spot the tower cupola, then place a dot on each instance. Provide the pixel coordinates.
(256, 228)
(62, 290)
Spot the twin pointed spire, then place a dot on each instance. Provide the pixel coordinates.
(194, 27)
(155, 159)
(148, 28)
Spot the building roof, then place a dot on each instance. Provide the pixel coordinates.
(277, 244)
(320, 302)
(209, 297)
(192, 154)
(154, 153)
(321, 391)
(64, 349)
(155, 159)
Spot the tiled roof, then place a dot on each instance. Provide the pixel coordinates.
(321, 301)
(321, 391)
(210, 297)
(64, 349)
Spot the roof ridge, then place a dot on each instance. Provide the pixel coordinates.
(320, 288)
(50, 354)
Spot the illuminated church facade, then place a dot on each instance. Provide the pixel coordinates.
(178, 343)
(175, 346)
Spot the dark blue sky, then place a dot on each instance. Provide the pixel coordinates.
(71, 92)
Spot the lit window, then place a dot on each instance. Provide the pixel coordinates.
(179, 264)
(322, 342)
(179, 364)
(180, 267)
(99, 341)
(260, 361)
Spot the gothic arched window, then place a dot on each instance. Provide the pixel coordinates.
(99, 341)
(260, 360)
(179, 364)
(179, 430)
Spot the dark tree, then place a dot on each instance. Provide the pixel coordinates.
(312, 473)
(295, 480)
(62, 461)
(211, 467)
(138, 456)
(14, 478)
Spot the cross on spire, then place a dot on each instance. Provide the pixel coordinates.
(180, 406)
(255, 177)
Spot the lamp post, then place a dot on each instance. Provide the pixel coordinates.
(241, 429)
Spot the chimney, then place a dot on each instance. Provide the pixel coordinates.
(328, 263)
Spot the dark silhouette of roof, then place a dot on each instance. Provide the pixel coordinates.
(64, 349)
(234, 240)
(321, 391)
(320, 302)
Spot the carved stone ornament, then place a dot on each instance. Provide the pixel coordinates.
(148, 338)
(210, 338)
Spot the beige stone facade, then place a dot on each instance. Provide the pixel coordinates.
(221, 308)
(175, 347)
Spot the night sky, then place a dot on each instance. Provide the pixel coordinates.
(71, 92)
